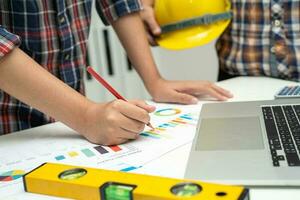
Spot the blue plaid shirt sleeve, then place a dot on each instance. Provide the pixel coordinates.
(111, 10)
(8, 41)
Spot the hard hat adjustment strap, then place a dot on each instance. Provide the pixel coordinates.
(203, 20)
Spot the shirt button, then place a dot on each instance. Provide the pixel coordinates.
(273, 49)
(277, 23)
(67, 57)
(281, 68)
(62, 19)
(276, 8)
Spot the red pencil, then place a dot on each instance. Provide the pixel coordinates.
(108, 87)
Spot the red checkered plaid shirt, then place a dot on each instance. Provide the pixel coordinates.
(54, 33)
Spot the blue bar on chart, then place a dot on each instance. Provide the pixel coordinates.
(101, 150)
(148, 134)
(127, 169)
(166, 125)
(60, 157)
(186, 117)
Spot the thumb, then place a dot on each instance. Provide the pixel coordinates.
(143, 105)
(184, 98)
(152, 24)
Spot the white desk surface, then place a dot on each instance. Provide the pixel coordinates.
(243, 88)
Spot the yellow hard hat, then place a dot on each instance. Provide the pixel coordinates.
(189, 23)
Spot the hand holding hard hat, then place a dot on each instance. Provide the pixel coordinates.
(189, 23)
(184, 91)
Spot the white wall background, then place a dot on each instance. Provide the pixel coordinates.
(199, 63)
(194, 64)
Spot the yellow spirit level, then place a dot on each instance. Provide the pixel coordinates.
(89, 183)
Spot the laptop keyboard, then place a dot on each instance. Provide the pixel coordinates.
(283, 131)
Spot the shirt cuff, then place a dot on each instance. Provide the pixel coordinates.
(8, 42)
(112, 11)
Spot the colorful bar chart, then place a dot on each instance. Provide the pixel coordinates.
(181, 120)
(89, 152)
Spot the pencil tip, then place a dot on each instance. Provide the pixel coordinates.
(150, 125)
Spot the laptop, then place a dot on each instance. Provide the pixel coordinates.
(254, 143)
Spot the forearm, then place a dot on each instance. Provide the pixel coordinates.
(23, 78)
(131, 32)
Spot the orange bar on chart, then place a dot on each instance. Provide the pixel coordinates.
(115, 148)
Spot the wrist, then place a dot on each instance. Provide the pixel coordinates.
(149, 75)
(154, 84)
(81, 125)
